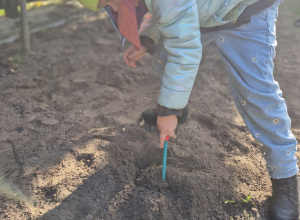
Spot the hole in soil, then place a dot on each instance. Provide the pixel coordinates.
(150, 156)
(149, 170)
(174, 188)
(50, 192)
(19, 129)
(87, 159)
(151, 179)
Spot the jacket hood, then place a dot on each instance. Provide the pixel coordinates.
(90, 4)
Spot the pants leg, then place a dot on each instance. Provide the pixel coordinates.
(248, 54)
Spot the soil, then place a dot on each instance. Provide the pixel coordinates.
(72, 147)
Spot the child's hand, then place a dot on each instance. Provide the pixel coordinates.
(166, 125)
(131, 55)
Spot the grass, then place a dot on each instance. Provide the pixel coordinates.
(37, 4)
(294, 7)
(16, 59)
(244, 206)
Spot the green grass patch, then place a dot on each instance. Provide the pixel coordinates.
(293, 6)
(2, 12)
(37, 4)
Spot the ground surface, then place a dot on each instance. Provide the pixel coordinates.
(70, 138)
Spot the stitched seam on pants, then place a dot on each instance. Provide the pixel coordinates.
(273, 47)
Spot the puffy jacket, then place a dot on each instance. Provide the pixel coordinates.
(179, 22)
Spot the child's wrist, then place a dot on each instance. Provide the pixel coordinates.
(148, 43)
(164, 111)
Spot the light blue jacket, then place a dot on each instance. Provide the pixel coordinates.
(179, 22)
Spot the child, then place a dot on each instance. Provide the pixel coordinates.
(175, 31)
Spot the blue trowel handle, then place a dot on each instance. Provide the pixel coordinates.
(164, 163)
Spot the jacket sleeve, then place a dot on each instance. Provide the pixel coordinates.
(180, 27)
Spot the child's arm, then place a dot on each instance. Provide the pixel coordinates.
(179, 25)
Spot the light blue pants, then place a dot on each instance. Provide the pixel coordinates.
(248, 52)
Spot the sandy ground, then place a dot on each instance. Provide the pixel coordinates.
(71, 145)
